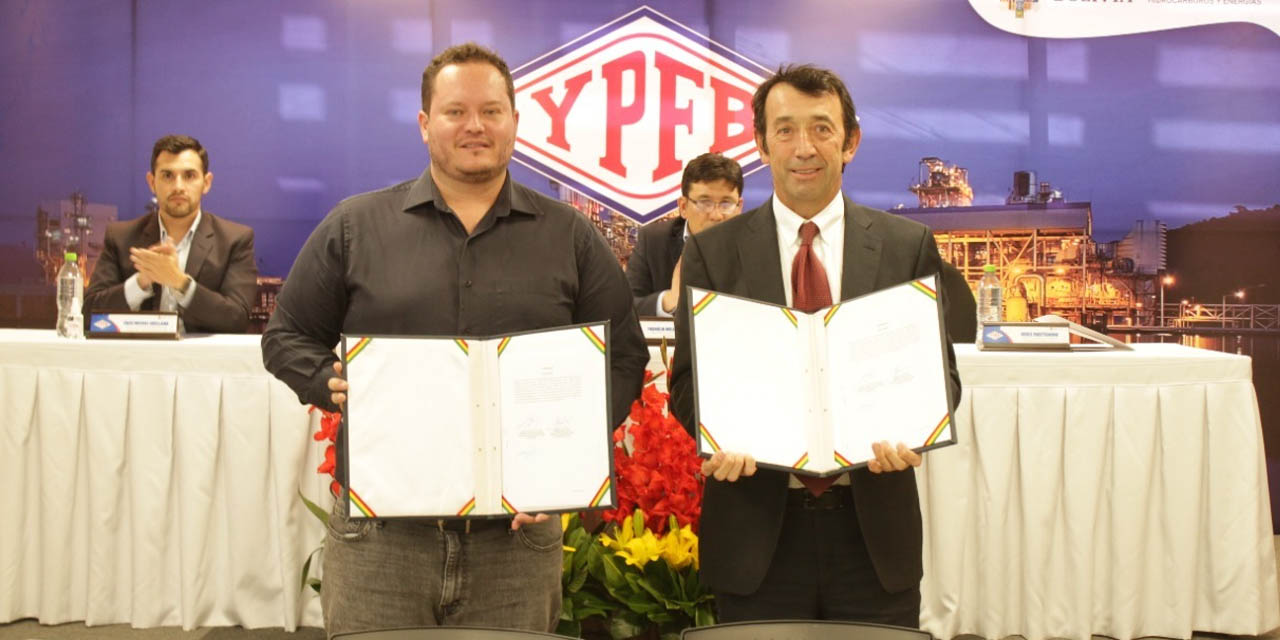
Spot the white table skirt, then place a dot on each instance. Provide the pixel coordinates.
(153, 483)
(1121, 494)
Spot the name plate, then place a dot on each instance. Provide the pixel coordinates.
(154, 325)
(655, 329)
(1025, 336)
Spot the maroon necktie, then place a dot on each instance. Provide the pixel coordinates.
(810, 292)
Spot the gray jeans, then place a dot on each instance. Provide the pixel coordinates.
(400, 573)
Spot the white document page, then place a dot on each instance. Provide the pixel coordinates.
(409, 445)
(750, 367)
(886, 372)
(868, 370)
(556, 441)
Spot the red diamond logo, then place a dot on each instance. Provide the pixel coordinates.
(616, 113)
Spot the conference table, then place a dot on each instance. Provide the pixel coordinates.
(1120, 493)
(153, 483)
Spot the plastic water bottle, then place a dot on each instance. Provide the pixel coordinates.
(990, 304)
(70, 298)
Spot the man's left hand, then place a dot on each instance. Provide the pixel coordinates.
(890, 459)
(159, 263)
(522, 519)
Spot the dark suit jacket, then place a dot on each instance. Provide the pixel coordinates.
(741, 520)
(220, 260)
(649, 269)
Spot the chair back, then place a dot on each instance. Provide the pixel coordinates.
(803, 630)
(445, 633)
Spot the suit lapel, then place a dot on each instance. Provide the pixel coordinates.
(150, 234)
(148, 237)
(201, 243)
(675, 245)
(758, 255)
(861, 253)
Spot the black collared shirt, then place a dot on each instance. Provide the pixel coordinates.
(399, 261)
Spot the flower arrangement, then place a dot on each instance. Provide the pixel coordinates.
(640, 575)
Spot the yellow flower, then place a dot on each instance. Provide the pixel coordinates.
(610, 542)
(641, 550)
(680, 548)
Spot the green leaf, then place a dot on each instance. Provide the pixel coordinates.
(579, 578)
(314, 508)
(659, 574)
(622, 626)
(569, 628)
(590, 601)
(703, 617)
(577, 538)
(613, 575)
(306, 567)
(644, 583)
(595, 561)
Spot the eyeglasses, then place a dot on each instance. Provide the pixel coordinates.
(707, 206)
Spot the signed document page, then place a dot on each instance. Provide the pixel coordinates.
(809, 393)
(555, 412)
(448, 427)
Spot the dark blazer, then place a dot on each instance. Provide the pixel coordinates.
(741, 520)
(220, 260)
(651, 264)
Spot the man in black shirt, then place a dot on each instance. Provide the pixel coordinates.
(461, 250)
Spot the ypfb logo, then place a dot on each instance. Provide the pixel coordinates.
(617, 112)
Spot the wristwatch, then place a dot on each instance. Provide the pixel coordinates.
(186, 285)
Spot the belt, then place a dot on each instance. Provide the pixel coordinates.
(836, 497)
(459, 525)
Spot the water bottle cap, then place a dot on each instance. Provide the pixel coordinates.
(990, 268)
(70, 256)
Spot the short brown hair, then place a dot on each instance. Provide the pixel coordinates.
(710, 167)
(810, 80)
(176, 144)
(461, 54)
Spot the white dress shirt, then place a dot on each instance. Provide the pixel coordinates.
(170, 300)
(828, 245)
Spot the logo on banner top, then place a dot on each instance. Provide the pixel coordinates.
(1099, 18)
(616, 113)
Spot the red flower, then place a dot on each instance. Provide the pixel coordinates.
(329, 423)
(330, 461)
(660, 475)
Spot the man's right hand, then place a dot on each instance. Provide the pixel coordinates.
(338, 386)
(672, 295)
(728, 466)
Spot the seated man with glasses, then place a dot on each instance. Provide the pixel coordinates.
(711, 192)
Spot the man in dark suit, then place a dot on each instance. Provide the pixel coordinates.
(710, 192)
(180, 259)
(773, 545)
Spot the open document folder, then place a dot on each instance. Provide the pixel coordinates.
(810, 393)
(458, 427)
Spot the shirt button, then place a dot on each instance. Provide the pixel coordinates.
(467, 283)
